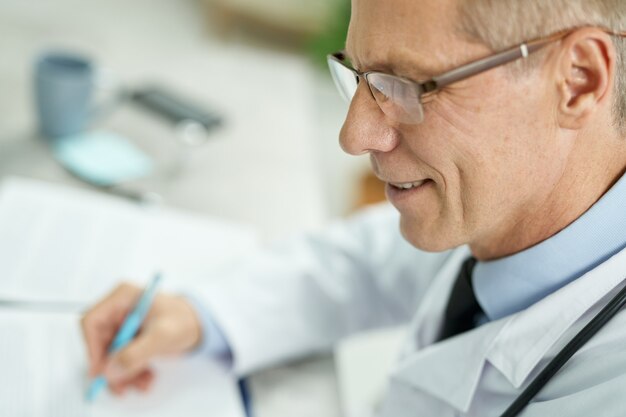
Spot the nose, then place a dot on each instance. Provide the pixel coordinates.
(366, 128)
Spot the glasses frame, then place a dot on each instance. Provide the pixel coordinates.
(465, 71)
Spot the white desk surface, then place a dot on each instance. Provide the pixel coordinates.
(261, 168)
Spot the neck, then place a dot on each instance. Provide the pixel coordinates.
(569, 199)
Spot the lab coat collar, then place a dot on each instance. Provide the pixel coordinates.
(530, 334)
(429, 369)
(514, 345)
(427, 365)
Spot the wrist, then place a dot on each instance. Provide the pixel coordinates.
(212, 340)
(191, 324)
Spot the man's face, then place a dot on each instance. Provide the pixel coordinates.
(488, 148)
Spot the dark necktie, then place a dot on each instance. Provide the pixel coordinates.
(463, 308)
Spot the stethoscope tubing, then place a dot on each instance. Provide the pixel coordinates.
(607, 313)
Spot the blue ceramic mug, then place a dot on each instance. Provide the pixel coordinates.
(64, 86)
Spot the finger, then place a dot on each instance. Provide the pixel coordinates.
(101, 322)
(118, 388)
(141, 378)
(144, 380)
(133, 359)
(95, 349)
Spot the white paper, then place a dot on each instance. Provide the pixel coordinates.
(62, 244)
(43, 373)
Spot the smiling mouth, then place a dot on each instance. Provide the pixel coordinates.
(408, 185)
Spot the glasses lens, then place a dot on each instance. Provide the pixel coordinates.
(345, 79)
(399, 99)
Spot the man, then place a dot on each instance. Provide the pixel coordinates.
(519, 158)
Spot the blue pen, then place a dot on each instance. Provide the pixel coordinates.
(127, 331)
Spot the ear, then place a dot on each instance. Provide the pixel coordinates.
(586, 73)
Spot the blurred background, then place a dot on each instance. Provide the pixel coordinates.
(273, 162)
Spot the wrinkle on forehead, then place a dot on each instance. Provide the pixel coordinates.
(404, 34)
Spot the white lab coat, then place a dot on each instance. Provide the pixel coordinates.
(305, 294)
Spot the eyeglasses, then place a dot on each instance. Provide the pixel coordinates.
(401, 99)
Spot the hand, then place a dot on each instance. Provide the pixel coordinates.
(171, 327)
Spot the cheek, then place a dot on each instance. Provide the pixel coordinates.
(490, 156)
(448, 145)
(437, 222)
(508, 161)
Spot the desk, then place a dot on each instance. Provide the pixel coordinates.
(261, 169)
(258, 169)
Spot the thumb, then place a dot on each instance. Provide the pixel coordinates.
(133, 359)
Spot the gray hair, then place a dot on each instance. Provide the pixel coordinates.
(503, 23)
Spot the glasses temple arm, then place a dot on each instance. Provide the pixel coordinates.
(510, 55)
(484, 64)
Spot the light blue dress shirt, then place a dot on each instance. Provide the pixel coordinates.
(509, 285)
(213, 341)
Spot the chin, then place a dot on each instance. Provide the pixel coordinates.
(428, 237)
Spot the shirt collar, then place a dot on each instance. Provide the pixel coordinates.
(509, 285)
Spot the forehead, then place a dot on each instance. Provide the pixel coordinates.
(386, 33)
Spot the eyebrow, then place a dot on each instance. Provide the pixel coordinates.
(412, 70)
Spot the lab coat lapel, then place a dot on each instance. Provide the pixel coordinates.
(531, 334)
(450, 370)
(428, 319)
(427, 365)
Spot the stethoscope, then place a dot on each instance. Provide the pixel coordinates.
(577, 342)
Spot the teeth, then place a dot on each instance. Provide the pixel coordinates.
(408, 185)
